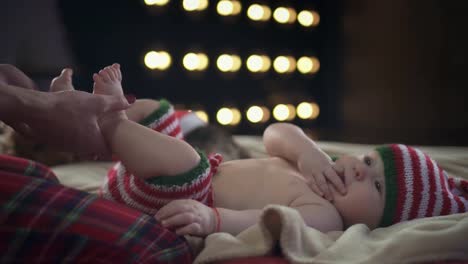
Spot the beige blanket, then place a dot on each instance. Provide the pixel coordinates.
(438, 238)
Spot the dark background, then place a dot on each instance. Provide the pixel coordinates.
(391, 71)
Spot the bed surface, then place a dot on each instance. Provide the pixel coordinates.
(430, 239)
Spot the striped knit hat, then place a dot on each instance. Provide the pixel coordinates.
(417, 187)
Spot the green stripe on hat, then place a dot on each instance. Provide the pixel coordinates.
(391, 185)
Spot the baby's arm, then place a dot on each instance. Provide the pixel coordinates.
(289, 142)
(190, 217)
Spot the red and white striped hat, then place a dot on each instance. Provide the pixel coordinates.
(417, 187)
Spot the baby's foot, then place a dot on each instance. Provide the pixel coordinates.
(63, 82)
(108, 81)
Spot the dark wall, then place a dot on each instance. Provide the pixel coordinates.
(406, 67)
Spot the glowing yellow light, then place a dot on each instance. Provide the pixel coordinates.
(315, 110)
(236, 116)
(195, 61)
(237, 7)
(236, 63)
(227, 63)
(292, 64)
(151, 60)
(258, 12)
(224, 116)
(282, 64)
(292, 15)
(156, 2)
(203, 61)
(255, 114)
(195, 5)
(203, 5)
(157, 60)
(224, 63)
(304, 110)
(254, 63)
(164, 60)
(191, 61)
(291, 112)
(281, 112)
(202, 115)
(308, 18)
(266, 63)
(281, 15)
(305, 65)
(228, 8)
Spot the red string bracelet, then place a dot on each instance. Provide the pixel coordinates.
(218, 219)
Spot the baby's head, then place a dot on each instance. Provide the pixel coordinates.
(399, 183)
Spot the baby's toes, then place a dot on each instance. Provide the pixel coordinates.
(97, 78)
(104, 75)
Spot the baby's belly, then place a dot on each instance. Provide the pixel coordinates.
(255, 183)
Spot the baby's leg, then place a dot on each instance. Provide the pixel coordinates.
(157, 115)
(144, 152)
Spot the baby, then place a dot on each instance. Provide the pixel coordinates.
(198, 195)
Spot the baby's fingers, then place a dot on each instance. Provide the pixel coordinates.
(193, 229)
(170, 209)
(333, 177)
(181, 219)
(322, 185)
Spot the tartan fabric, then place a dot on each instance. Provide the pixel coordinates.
(44, 222)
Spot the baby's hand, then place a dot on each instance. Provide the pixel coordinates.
(320, 173)
(188, 217)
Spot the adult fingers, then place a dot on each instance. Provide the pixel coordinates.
(333, 177)
(115, 103)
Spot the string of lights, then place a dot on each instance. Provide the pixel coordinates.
(255, 12)
(231, 116)
(255, 63)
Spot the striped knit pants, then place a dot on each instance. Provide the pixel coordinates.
(42, 221)
(151, 194)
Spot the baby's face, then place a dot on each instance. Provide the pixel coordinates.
(365, 183)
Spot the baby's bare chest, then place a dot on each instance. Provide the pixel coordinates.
(255, 183)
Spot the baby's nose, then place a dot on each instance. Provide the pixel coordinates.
(360, 172)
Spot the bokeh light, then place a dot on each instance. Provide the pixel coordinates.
(202, 115)
(194, 5)
(228, 7)
(195, 61)
(258, 12)
(157, 60)
(308, 18)
(228, 63)
(284, 64)
(156, 2)
(304, 110)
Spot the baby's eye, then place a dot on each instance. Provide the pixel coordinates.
(378, 186)
(367, 160)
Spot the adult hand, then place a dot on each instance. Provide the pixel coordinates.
(320, 173)
(188, 217)
(11, 75)
(68, 121)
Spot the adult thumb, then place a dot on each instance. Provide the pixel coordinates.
(117, 103)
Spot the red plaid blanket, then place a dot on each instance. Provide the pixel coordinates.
(43, 221)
